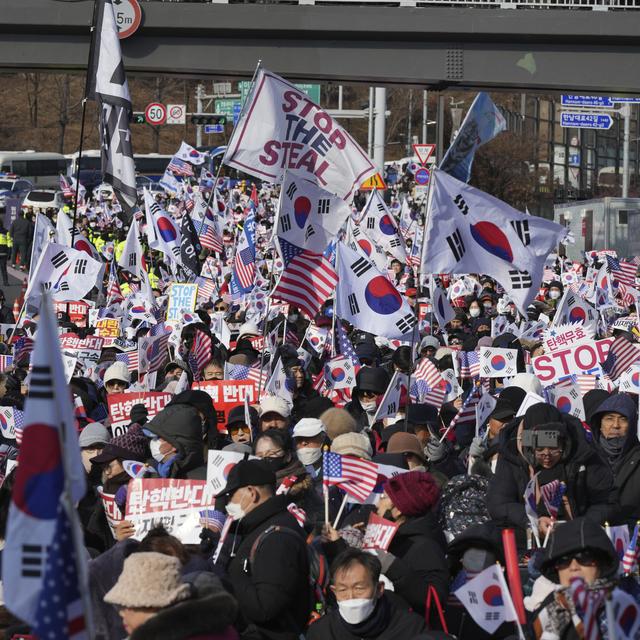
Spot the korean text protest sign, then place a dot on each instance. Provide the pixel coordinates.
(111, 510)
(88, 348)
(174, 504)
(78, 311)
(120, 407)
(226, 394)
(379, 533)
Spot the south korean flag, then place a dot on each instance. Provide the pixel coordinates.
(498, 363)
(390, 404)
(568, 399)
(367, 299)
(339, 373)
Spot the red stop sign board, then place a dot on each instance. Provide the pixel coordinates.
(155, 113)
(128, 15)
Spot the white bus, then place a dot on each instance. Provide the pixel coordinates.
(41, 168)
(147, 164)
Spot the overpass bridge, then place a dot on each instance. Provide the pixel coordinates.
(428, 45)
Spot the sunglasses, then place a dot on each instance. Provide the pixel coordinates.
(583, 558)
(219, 308)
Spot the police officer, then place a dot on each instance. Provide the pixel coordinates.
(5, 248)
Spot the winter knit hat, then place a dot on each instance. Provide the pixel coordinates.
(413, 493)
(94, 433)
(148, 579)
(353, 444)
(338, 421)
(117, 371)
(132, 445)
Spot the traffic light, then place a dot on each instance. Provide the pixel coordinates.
(208, 118)
(138, 118)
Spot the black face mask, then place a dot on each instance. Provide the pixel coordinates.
(387, 515)
(275, 464)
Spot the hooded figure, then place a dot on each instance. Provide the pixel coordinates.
(203, 404)
(588, 480)
(613, 426)
(371, 383)
(180, 425)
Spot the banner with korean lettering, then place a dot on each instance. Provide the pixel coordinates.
(109, 329)
(174, 504)
(111, 510)
(226, 394)
(88, 348)
(182, 299)
(283, 130)
(379, 533)
(120, 407)
(78, 311)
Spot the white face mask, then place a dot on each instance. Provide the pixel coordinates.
(554, 295)
(235, 511)
(356, 610)
(476, 560)
(475, 312)
(369, 406)
(309, 455)
(155, 445)
(292, 317)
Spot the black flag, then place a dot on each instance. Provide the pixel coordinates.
(190, 246)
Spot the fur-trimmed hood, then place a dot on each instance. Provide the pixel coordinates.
(209, 617)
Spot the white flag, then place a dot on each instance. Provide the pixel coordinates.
(380, 226)
(283, 130)
(189, 154)
(132, 258)
(498, 363)
(66, 273)
(390, 404)
(367, 299)
(50, 479)
(308, 216)
(486, 600)
(472, 232)
(42, 235)
(279, 384)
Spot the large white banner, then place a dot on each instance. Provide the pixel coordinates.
(283, 130)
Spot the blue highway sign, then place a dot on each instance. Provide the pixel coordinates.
(586, 120)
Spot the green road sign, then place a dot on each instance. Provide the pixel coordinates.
(312, 90)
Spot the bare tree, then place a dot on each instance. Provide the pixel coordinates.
(32, 89)
(63, 87)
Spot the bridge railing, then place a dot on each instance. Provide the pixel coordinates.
(594, 5)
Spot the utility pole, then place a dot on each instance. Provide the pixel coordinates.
(410, 122)
(379, 128)
(440, 129)
(626, 114)
(425, 107)
(199, 95)
(371, 112)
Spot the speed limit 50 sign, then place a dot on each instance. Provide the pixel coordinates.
(155, 113)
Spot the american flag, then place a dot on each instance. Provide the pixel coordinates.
(245, 258)
(552, 494)
(243, 372)
(469, 364)
(18, 424)
(179, 167)
(630, 553)
(345, 346)
(628, 294)
(355, 476)
(60, 613)
(548, 275)
(22, 348)
(467, 412)
(622, 354)
(130, 358)
(588, 603)
(292, 338)
(200, 352)
(624, 272)
(427, 385)
(307, 281)
(298, 513)
(208, 238)
(156, 349)
(114, 294)
(206, 288)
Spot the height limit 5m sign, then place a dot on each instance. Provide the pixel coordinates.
(128, 16)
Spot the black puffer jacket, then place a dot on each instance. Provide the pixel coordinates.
(181, 425)
(273, 590)
(625, 465)
(588, 478)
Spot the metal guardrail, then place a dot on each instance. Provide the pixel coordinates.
(594, 5)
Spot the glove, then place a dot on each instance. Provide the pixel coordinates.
(386, 559)
(477, 448)
(208, 540)
(435, 450)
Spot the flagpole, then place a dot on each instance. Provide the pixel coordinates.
(335, 305)
(509, 601)
(242, 112)
(83, 120)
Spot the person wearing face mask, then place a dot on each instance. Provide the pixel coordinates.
(371, 383)
(470, 552)
(554, 445)
(132, 445)
(364, 610)
(176, 442)
(579, 549)
(554, 293)
(615, 436)
(475, 308)
(268, 567)
(488, 301)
